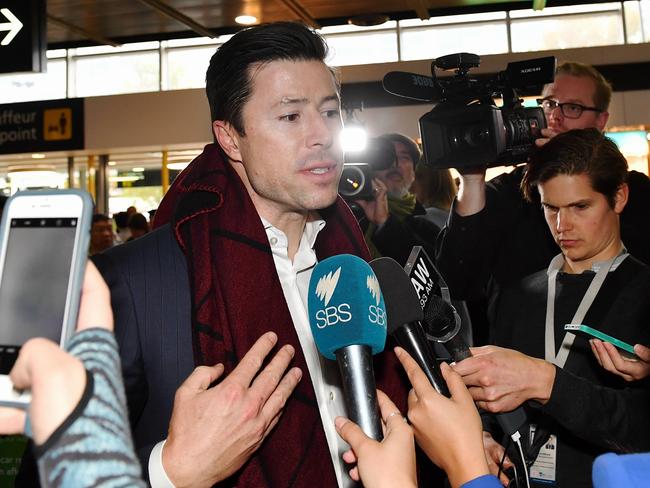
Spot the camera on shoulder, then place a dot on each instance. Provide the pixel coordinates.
(359, 168)
(466, 128)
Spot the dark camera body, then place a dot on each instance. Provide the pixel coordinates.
(360, 167)
(466, 128)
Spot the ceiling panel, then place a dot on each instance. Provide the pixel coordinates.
(127, 20)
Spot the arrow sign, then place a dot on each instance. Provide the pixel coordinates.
(13, 26)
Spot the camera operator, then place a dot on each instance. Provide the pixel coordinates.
(494, 237)
(391, 221)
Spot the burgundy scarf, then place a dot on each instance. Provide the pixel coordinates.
(237, 296)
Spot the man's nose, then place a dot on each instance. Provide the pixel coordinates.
(321, 131)
(555, 113)
(564, 221)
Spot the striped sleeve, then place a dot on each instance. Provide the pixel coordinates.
(93, 446)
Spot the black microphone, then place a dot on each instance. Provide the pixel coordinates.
(404, 316)
(409, 85)
(442, 323)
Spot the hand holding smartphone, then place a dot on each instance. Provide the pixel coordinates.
(586, 331)
(43, 251)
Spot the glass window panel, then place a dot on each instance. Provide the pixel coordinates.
(645, 19)
(56, 53)
(584, 30)
(195, 41)
(429, 43)
(572, 9)
(124, 48)
(347, 28)
(110, 75)
(366, 48)
(36, 86)
(186, 67)
(633, 27)
(453, 19)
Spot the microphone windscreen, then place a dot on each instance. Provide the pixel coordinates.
(402, 303)
(346, 306)
(439, 317)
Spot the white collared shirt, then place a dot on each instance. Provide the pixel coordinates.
(294, 278)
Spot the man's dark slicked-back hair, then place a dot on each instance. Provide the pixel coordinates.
(228, 79)
(576, 152)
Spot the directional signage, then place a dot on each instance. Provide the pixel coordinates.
(49, 125)
(23, 41)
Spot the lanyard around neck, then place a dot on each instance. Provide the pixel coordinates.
(560, 358)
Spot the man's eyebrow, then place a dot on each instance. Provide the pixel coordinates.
(292, 101)
(304, 100)
(329, 98)
(575, 101)
(570, 204)
(584, 201)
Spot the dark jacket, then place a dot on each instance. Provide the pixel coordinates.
(396, 237)
(509, 239)
(590, 410)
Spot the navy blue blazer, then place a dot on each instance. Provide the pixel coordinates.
(150, 295)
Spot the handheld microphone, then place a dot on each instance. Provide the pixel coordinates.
(348, 320)
(404, 316)
(442, 322)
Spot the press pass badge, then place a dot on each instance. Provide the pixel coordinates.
(544, 468)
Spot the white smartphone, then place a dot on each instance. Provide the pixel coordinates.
(44, 239)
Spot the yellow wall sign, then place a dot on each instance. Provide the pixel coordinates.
(57, 124)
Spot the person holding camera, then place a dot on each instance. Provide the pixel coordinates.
(391, 220)
(494, 236)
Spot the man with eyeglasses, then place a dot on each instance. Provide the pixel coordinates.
(494, 236)
(577, 99)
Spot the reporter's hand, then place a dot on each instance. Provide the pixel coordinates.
(494, 454)
(449, 430)
(376, 210)
(611, 359)
(388, 463)
(56, 379)
(501, 379)
(548, 135)
(213, 431)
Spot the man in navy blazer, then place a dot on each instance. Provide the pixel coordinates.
(237, 237)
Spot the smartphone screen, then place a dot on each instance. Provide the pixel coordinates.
(35, 280)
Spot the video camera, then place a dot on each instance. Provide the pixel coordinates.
(359, 168)
(465, 128)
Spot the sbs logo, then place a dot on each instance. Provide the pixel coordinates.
(376, 314)
(329, 316)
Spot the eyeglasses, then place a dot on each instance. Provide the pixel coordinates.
(569, 110)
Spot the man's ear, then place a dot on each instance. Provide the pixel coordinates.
(228, 138)
(620, 199)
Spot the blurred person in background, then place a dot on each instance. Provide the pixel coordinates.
(390, 225)
(122, 232)
(435, 189)
(101, 234)
(138, 226)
